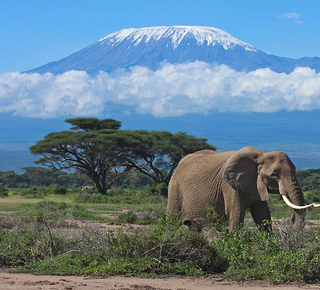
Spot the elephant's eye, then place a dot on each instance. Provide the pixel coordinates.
(275, 174)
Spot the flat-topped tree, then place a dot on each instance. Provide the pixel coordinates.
(92, 147)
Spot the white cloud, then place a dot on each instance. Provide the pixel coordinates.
(290, 15)
(172, 90)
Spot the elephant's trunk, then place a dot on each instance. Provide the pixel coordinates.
(293, 196)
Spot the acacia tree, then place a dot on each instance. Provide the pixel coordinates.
(157, 153)
(92, 147)
(99, 150)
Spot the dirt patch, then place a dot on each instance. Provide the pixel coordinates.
(30, 282)
(105, 226)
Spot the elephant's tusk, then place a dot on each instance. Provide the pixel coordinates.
(289, 203)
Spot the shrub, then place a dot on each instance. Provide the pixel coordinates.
(3, 191)
(35, 192)
(151, 216)
(280, 256)
(57, 189)
(214, 221)
(161, 188)
(127, 217)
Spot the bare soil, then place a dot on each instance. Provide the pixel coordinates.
(9, 281)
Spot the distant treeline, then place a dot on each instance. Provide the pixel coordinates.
(40, 176)
(309, 179)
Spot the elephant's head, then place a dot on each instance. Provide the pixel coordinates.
(256, 173)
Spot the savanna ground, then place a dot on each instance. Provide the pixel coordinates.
(124, 242)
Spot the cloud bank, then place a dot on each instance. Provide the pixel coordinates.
(172, 90)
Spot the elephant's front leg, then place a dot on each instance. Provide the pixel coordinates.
(236, 206)
(261, 215)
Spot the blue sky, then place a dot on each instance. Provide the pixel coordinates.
(35, 32)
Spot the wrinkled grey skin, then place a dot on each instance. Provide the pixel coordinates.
(232, 182)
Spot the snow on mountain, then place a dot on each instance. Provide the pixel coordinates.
(209, 36)
(150, 46)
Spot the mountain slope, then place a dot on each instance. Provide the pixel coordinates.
(177, 44)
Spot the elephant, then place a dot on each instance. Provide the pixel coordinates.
(231, 182)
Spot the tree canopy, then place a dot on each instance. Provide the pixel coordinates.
(93, 124)
(158, 153)
(101, 151)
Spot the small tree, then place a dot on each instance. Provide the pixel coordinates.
(3, 191)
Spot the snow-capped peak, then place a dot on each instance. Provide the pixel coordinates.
(151, 47)
(203, 35)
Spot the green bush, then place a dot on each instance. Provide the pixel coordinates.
(127, 217)
(34, 192)
(151, 216)
(161, 188)
(57, 189)
(280, 256)
(19, 247)
(214, 221)
(3, 191)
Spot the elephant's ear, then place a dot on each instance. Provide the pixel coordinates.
(241, 172)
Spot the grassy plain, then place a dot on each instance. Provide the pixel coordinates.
(61, 235)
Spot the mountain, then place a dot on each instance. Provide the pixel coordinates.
(150, 46)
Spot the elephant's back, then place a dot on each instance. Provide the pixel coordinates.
(203, 160)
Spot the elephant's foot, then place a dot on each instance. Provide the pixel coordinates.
(195, 226)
